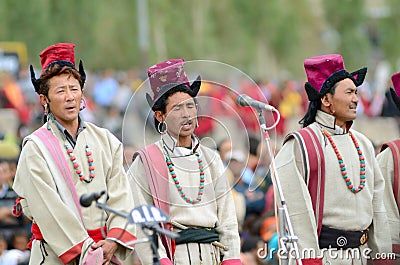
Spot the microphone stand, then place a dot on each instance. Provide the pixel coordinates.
(287, 238)
(151, 236)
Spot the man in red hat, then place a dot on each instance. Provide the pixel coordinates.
(64, 159)
(329, 175)
(389, 161)
(184, 178)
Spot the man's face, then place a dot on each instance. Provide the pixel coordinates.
(344, 101)
(181, 116)
(65, 96)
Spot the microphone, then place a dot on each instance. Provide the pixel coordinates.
(244, 101)
(87, 199)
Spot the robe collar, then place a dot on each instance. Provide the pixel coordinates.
(328, 122)
(64, 132)
(169, 145)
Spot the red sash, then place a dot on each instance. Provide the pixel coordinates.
(157, 176)
(95, 234)
(395, 148)
(314, 172)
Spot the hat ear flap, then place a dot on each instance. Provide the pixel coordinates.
(359, 76)
(82, 73)
(35, 82)
(395, 98)
(195, 86)
(312, 93)
(149, 100)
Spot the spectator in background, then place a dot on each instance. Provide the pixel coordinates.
(262, 175)
(104, 91)
(225, 148)
(255, 201)
(290, 106)
(253, 158)
(11, 96)
(10, 256)
(250, 249)
(19, 242)
(247, 258)
(9, 153)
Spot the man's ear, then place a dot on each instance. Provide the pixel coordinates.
(325, 100)
(159, 115)
(43, 99)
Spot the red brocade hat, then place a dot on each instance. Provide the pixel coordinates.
(56, 53)
(323, 72)
(61, 54)
(167, 75)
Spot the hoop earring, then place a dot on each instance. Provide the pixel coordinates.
(46, 111)
(83, 104)
(162, 127)
(197, 122)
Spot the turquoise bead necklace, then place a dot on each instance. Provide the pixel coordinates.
(178, 186)
(342, 166)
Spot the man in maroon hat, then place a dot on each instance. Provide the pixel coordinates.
(184, 178)
(329, 175)
(64, 159)
(389, 161)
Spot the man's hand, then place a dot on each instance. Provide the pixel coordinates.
(109, 247)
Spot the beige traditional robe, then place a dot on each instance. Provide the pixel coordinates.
(61, 228)
(385, 160)
(342, 209)
(215, 210)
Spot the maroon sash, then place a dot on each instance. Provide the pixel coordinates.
(313, 169)
(157, 175)
(395, 148)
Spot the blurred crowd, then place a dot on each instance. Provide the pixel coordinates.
(108, 94)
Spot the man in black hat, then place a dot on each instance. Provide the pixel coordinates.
(329, 175)
(184, 178)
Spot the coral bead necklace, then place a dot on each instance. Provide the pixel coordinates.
(349, 185)
(75, 164)
(177, 183)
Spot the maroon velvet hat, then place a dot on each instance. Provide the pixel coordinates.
(167, 75)
(60, 53)
(395, 91)
(323, 72)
